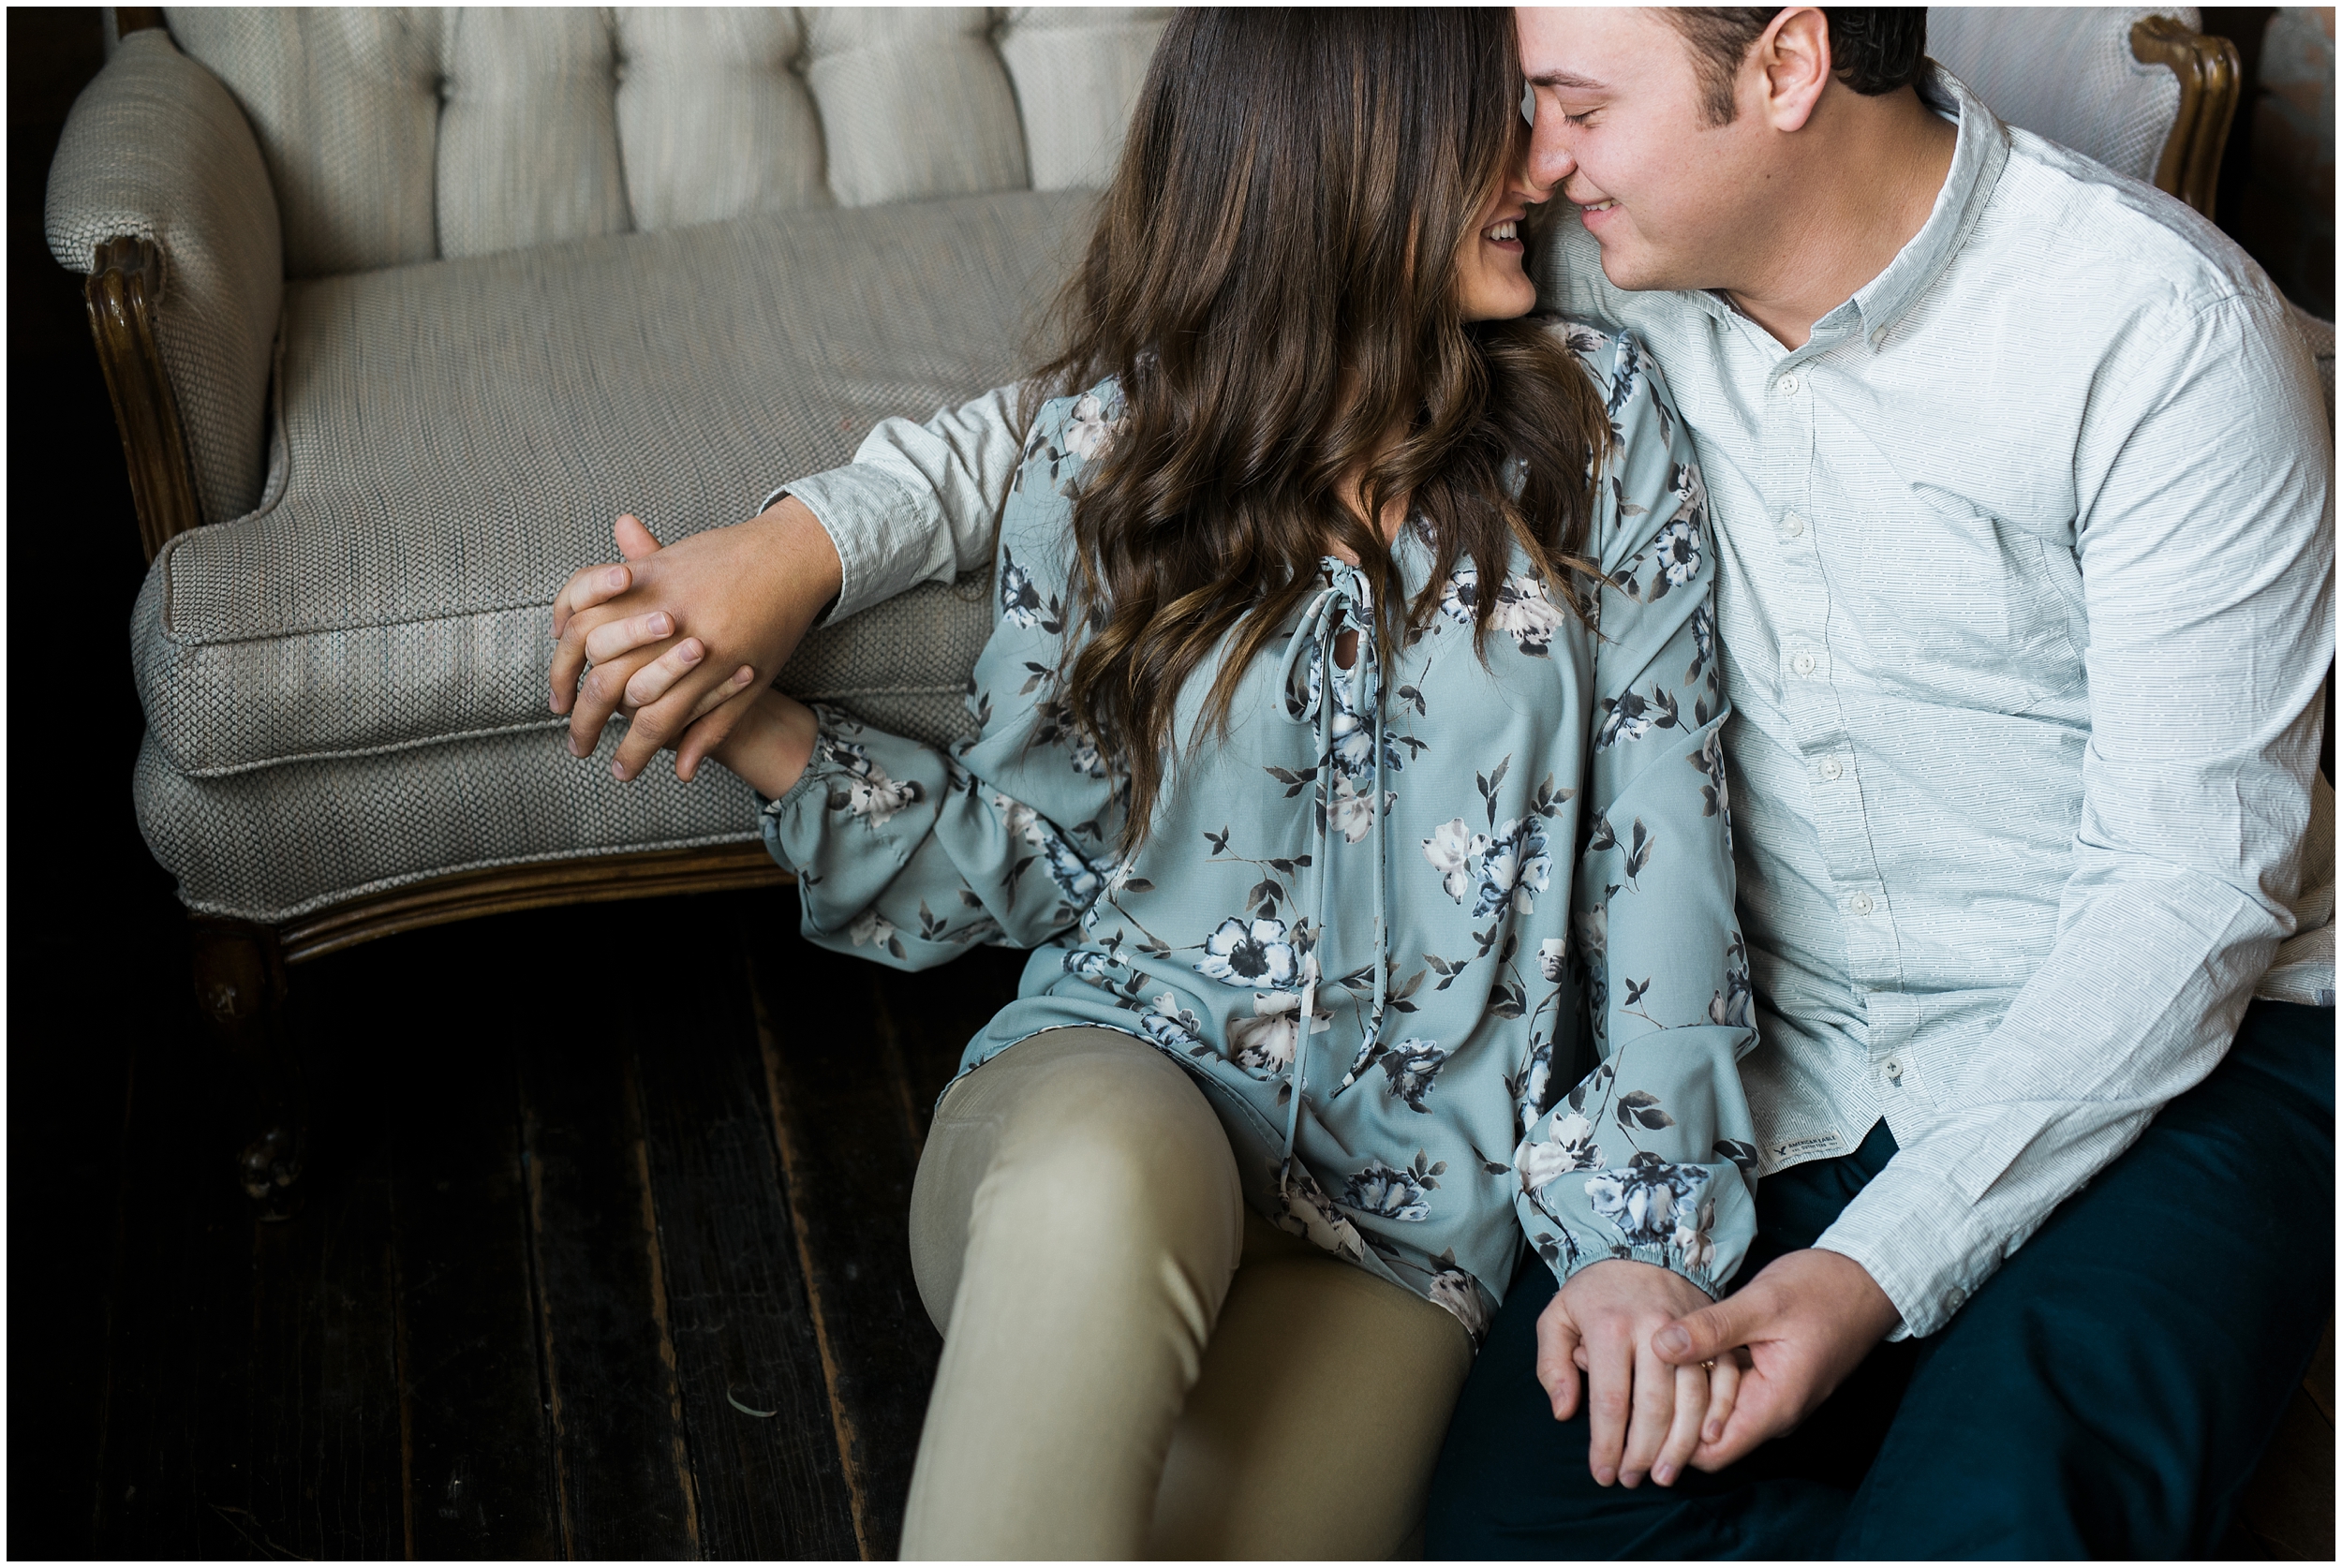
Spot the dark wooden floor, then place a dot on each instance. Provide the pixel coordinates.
(603, 1256)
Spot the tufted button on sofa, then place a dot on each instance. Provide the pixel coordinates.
(401, 306)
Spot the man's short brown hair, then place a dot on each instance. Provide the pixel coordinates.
(1873, 51)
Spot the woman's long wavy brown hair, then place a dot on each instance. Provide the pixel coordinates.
(1273, 280)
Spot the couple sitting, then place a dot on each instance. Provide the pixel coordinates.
(1371, 659)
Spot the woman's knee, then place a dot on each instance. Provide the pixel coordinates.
(1084, 1141)
(1114, 1141)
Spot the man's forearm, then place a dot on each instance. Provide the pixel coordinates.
(2113, 1027)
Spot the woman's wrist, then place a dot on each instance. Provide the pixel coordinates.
(772, 744)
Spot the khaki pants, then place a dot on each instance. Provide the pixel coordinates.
(1134, 1365)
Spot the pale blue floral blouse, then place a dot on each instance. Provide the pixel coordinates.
(1354, 920)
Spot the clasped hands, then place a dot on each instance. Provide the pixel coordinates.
(684, 640)
(1672, 1379)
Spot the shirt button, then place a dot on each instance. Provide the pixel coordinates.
(1954, 1299)
(1832, 768)
(1863, 903)
(1893, 1069)
(1787, 385)
(1803, 664)
(1793, 526)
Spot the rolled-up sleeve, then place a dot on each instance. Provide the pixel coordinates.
(919, 501)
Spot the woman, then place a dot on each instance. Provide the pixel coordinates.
(1337, 605)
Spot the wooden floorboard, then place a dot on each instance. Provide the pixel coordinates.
(622, 1460)
(851, 1085)
(756, 1396)
(324, 1451)
(552, 1257)
(174, 1468)
(849, 1150)
(477, 1429)
(932, 1017)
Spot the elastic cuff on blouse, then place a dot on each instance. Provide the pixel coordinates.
(1661, 1255)
(771, 812)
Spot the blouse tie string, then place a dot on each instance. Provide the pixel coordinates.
(1355, 717)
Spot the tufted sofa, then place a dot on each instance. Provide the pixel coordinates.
(401, 306)
(438, 293)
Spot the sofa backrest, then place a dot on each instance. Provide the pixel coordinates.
(398, 133)
(2066, 73)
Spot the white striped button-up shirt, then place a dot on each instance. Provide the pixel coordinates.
(2025, 603)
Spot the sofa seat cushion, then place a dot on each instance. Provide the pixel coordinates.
(271, 845)
(453, 439)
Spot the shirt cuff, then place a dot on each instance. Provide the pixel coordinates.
(873, 520)
(1921, 1242)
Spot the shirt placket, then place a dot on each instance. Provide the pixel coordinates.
(1799, 507)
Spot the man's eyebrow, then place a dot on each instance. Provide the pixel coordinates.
(1565, 79)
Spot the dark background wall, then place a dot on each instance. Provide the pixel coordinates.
(95, 953)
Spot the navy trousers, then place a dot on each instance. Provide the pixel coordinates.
(2106, 1394)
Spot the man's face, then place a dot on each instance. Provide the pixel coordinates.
(1621, 128)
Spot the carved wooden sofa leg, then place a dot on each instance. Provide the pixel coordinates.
(239, 987)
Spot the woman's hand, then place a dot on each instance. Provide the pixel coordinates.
(768, 743)
(747, 592)
(771, 743)
(1646, 1416)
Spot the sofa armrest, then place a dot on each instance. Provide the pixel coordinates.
(159, 194)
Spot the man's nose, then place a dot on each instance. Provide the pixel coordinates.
(1550, 161)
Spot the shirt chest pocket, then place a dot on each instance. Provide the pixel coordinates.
(1962, 607)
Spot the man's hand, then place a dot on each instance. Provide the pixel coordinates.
(744, 595)
(1806, 1321)
(1646, 1416)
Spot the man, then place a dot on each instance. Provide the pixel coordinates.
(2022, 493)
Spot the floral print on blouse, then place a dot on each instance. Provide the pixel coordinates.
(1449, 946)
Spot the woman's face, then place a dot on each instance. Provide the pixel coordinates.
(1490, 281)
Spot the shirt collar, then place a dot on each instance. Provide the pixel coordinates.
(1976, 161)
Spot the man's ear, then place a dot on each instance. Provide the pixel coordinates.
(1792, 65)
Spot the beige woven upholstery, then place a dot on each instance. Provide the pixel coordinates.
(345, 103)
(546, 265)
(283, 842)
(398, 133)
(2065, 73)
(1076, 70)
(528, 130)
(713, 123)
(162, 155)
(457, 437)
